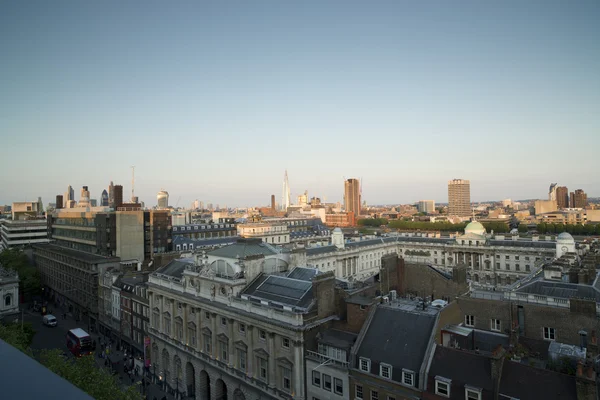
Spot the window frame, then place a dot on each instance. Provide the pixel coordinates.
(326, 379)
(438, 384)
(374, 394)
(383, 366)
(358, 392)
(550, 332)
(467, 318)
(283, 342)
(472, 390)
(495, 325)
(335, 386)
(367, 363)
(316, 382)
(408, 373)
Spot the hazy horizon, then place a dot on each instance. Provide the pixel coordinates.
(214, 101)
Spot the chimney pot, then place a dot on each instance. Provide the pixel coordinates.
(580, 369)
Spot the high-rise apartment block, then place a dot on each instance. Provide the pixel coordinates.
(118, 196)
(59, 201)
(459, 197)
(578, 199)
(562, 197)
(552, 192)
(352, 196)
(426, 206)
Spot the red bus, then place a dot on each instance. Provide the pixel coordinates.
(79, 342)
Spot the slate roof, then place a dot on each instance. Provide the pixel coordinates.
(524, 243)
(304, 274)
(76, 254)
(463, 368)
(397, 337)
(175, 268)
(281, 290)
(312, 251)
(524, 382)
(16, 383)
(244, 248)
(205, 242)
(560, 289)
(337, 338)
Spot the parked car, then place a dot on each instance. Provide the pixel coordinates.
(50, 320)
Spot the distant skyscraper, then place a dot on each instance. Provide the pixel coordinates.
(104, 198)
(201, 205)
(459, 198)
(285, 197)
(562, 197)
(69, 194)
(111, 195)
(552, 192)
(84, 200)
(59, 201)
(93, 203)
(578, 199)
(352, 196)
(163, 199)
(118, 195)
(426, 206)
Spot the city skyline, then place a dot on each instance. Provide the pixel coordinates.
(402, 96)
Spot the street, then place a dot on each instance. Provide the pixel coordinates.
(55, 338)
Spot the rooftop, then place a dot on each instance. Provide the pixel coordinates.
(244, 248)
(337, 338)
(78, 255)
(281, 290)
(175, 268)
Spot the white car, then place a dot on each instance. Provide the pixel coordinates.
(50, 320)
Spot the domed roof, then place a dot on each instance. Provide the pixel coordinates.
(475, 227)
(565, 236)
(337, 230)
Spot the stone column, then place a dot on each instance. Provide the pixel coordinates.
(272, 359)
(355, 269)
(250, 353)
(173, 308)
(298, 367)
(213, 319)
(231, 350)
(198, 329)
(186, 310)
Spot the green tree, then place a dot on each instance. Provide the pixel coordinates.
(578, 229)
(30, 283)
(17, 335)
(523, 228)
(542, 228)
(589, 229)
(84, 373)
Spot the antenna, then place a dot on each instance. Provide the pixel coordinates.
(132, 183)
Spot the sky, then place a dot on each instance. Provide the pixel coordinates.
(215, 100)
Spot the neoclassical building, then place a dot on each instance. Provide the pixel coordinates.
(9, 292)
(494, 260)
(233, 324)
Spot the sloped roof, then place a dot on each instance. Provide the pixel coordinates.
(397, 337)
(462, 367)
(304, 274)
(524, 382)
(175, 268)
(244, 248)
(282, 290)
(561, 290)
(337, 338)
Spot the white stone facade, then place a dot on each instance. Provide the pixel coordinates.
(9, 292)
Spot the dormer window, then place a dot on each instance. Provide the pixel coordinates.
(408, 377)
(365, 364)
(385, 371)
(442, 386)
(472, 393)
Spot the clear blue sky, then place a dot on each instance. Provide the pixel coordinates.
(215, 100)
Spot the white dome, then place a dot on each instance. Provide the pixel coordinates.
(337, 230)
(565, 237)
(475, 227)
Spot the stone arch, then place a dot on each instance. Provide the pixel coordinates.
(190, 379)
(8, 300)
(165, 364)
(204, 385)
(238, 395)
(177, 372)
(154, 354)
(220, 389)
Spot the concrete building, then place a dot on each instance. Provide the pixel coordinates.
(562, 197)
(545, 206)
(552, 192)
(59, 202)
(162, 199)
(352, 196)
(196, 236)
(426, 206)
(118, 196)
(69, 194)
(565, 216)
(459, 198)
(84, 200)
(9, 293)
(24, 232)
(276, 233)
(235, 325)
(303, 199)
(26, 210)
(342, 219)
(578, 199)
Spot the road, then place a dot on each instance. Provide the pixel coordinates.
(55, 338)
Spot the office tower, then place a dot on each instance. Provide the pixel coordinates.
(93, 203)
(352, 196)
(459, 198)
(59, 201)
(578, 199)
(111, 194)
(273, 202)
(562, 197)
(104, 198)
(552, 192)
(285, 197)
(426, 206)
(163, 199)
(84, 200)
(201, 205)
(118, 192)
(303, 199)
(69, 194)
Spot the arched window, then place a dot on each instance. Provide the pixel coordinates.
(8, 300)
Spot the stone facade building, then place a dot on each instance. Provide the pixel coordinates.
(9, 292)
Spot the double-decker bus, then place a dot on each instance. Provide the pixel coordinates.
(79, 342)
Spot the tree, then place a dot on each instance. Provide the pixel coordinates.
(84, 373)
(17, 335)
(30, 283)
(523, 228)
(542, 228)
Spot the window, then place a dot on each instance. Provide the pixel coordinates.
(374, 395)
(327, 382)
(365, 364)
(517, 258)
(408, 378)
(242, 359)
(179, 328)
(223, 321)
(527, 267)
(207, 315)
(242, 329)
(167, 323)
(549, 333)
(469, 320)
(517, 267)
(286, 379)
(262, 335)
(316, 378)
(507, 257)
(495, 325)
(285, 343)
(385, 370)
(442, 388)
(155, 319)
(207, 344)
(472, 394)
(358, 391)
(192, 334)
(338, 386)
(262, 368)
(223, 350)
